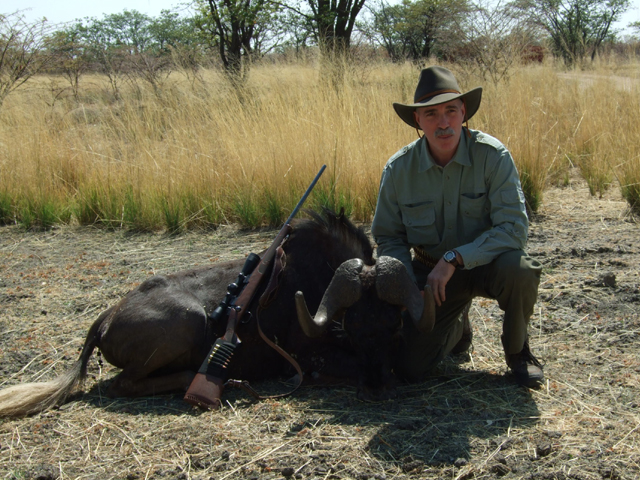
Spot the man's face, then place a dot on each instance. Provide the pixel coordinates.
(442, 127)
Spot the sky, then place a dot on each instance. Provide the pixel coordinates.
(60, 11)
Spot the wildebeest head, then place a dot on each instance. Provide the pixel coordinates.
(368, 300)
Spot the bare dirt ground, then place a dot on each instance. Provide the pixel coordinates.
(468, 421)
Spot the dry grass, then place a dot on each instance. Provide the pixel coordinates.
(467, 421)
(203, 153)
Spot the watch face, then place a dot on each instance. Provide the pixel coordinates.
(449, 256)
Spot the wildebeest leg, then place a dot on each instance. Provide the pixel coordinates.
(129, 383)
(158, 336)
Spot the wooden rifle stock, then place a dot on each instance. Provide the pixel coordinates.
(207, 386)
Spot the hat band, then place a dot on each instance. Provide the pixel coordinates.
(430, 95)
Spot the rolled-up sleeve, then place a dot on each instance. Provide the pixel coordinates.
(509, 222)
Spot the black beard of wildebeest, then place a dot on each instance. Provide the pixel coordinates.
(159, 333)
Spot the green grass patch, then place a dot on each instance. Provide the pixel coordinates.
(532, 192)
(273, 209)
(7, 215)
(41, 213)
(333, 197)
(629, 178)
(87, 209)
(172, 213)
(631, 194)
(246, 211)
(212, 215)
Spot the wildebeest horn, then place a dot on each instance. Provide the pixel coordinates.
(394, 285)
(343, 291)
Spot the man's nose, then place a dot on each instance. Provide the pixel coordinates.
(443, 121)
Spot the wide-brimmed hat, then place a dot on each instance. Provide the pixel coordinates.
(438, 85)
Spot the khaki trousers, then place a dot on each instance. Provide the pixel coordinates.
(512, 279)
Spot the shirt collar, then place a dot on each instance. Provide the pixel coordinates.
(461, 156)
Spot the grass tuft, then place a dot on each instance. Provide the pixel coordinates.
(172, 215)
(246, 210)
(7, 214)
(40, 214)
(273, 209)
(87, 208)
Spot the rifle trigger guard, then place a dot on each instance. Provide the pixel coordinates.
(244, 385)
(246, 318)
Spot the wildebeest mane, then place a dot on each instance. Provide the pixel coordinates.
(339, 231)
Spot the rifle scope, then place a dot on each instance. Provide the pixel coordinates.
(234, 289)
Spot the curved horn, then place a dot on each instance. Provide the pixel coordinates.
(394, 285)
(344, 290)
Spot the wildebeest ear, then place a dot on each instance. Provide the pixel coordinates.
(395, 286)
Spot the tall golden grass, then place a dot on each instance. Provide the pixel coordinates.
(201, 154)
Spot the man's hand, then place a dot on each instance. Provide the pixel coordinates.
(438, 279)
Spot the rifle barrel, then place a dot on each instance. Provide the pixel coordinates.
(306, 194)
(207, 386)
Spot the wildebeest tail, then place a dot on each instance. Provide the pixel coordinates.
(28, 398)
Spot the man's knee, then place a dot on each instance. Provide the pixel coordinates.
(518, 268)
(517, 262)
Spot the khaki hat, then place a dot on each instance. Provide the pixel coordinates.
(438, 85)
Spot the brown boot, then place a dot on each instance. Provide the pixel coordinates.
(526, 368)
(464, 344)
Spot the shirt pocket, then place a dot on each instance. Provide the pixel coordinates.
(475, 213)
(420, 224)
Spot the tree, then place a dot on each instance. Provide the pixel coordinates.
(577, 28)
(495, 38)
(127, 45)
(109, 43)
(22, 51)
(298, 32)
(333, 22)
(66, 46)
(180, 38)
(417, 29)
(235, 28)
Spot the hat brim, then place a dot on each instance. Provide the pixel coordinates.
(471, 100)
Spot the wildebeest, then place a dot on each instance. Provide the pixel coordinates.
(159, 333)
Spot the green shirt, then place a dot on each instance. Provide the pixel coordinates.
(474, 204)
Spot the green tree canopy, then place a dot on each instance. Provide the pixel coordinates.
(417, 29)
(576, 28)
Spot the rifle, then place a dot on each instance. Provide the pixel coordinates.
(207, 386)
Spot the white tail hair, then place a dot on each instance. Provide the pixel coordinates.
(28, 398)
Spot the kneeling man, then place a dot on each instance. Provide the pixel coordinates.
(454, 197)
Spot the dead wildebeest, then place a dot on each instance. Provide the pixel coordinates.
(159, 333)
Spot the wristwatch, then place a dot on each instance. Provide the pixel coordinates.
(452, 258)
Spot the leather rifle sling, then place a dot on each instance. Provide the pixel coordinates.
(265, 299)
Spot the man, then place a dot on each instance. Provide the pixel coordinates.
(454, 196)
